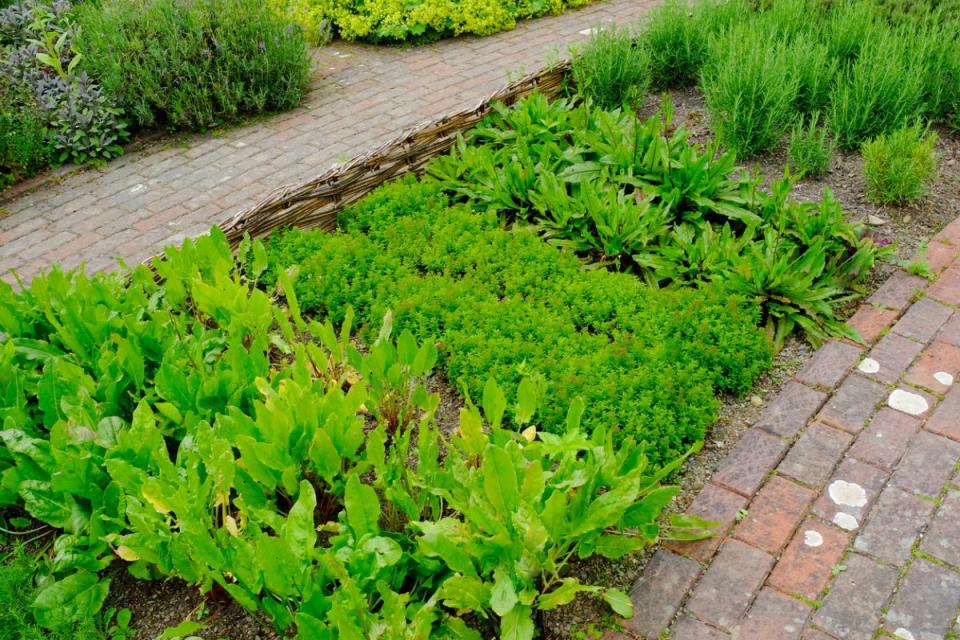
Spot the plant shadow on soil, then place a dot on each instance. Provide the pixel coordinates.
(160, 604)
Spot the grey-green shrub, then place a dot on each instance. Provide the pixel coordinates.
(882, 90)
(900, 165)
(612, 69)
(750, 89)
(810, 149)
(193, 63)
(675, 38)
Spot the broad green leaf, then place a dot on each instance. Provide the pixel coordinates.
(619, 602)
(494, 403)
(503, 595)
(517, 624)
(362, 507)
(299, 531)
(500, 480)
(79, 596)
(526, 401)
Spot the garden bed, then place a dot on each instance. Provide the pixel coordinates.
(667, 279)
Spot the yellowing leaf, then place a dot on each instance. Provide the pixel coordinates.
(530, 433)
(125, 553)
(155, 501)
(231, 526)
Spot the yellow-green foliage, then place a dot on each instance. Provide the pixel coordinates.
(415, 20)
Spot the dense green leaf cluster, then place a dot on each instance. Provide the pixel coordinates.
(416, 21)
(900, 166)
(638, 197)
(194, 428)
(502, 303)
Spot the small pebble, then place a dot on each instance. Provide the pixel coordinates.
(756, 401)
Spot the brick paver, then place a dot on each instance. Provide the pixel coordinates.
(848, 487)
(362, 96)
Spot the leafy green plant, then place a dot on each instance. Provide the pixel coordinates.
(612, 69)
(204, 62)
(415, 21)
(810, 149)
(900, 166)
(233, 442)
(750, 89)
(638, 197)
(675, 38)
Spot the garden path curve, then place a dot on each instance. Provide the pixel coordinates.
(364, 96)
(841, 505)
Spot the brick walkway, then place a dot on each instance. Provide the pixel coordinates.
(841, 506)
(364, 96)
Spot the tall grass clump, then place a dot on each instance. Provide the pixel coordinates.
(675, 38)
(814, 70)
(900, 166)
(936, 52)
(612, 69)
(810, 149)
(881, 91)
(749, 88)
(193, 63)
(847, 27)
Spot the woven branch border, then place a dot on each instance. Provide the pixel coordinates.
(317, 202)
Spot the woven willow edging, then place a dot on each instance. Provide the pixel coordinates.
(317, 202)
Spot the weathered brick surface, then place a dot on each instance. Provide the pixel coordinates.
(945, 419)
(947, 287)
(850, 472)
(773, 616)
(689, 628)
(728, 586)
(893, 353)
(830, 364)
(744, 468)
(852, 608)
(927, 465)
(950, 332)
(942, 539)
(883, 442)
(807, 564)
(789, 411)
(870, 321)
(922, 321)
(774, 514)
(712, 503)
(894, 526)
(939, 360)
(362, 96)
(898, 291)
(853, 403)
(812, 459)
(926, 602)
(658, 593)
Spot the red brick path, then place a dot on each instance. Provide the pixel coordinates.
(364, 96)
(841, 506)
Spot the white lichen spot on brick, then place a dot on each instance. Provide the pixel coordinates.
(845, 521)
(904, 634)
(908, 402)
(943, 378)
(812, 538)
(869, 365)
(847, 494)
(137, 188)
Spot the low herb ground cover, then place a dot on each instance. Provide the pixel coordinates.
(76, 80)
(197, 428)
(504, 304)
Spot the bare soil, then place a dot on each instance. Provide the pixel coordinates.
(159, 604)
